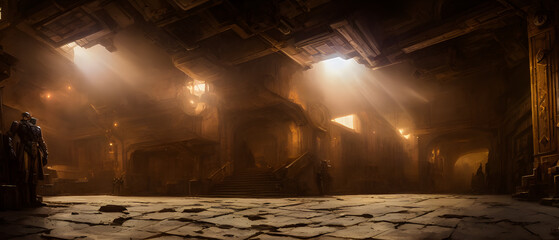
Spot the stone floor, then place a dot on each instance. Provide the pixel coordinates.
(400, 216)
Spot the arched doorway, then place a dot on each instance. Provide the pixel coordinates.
(450, 159)
(261, 144)
(469, 171)
(264, 149)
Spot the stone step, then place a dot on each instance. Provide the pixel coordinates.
(248, 193)
(248, 183)
(250, 180)
(244, 193)
(262, 187)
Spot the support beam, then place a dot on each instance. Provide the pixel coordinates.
(458, 27)
(2, 110)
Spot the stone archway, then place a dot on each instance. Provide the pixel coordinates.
(465, 175)
(262, 143)
(444, 150)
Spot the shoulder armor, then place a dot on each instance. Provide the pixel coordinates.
(13, 127)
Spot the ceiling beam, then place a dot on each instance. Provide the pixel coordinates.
(452, 29)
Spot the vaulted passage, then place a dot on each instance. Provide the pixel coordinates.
(278, 99)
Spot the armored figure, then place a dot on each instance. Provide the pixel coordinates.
(42, 146)
(31, 154)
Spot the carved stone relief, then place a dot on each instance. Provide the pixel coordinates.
(543, 92)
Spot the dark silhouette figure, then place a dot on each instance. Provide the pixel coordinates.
(118, 183)
(31, 155)
(478, 180)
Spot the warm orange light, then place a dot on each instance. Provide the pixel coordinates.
(191, 102)
(110, 144)
(347, 121)
(115, 124)
(48, 96)
(69, 87)
(402, 132)
(337, 64)
(197, 87)
(71, 45)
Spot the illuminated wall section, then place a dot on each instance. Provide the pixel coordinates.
(349, 121)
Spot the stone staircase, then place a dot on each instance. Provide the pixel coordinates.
(248, 183)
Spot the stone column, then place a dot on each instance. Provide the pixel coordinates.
(544, 59)
(2, 111)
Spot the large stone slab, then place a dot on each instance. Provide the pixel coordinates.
(486, 231)
(414, 231)
(306, 232)
(363, 231)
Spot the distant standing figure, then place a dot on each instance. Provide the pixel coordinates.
(118, 182)
(478, 180)
(31, 154)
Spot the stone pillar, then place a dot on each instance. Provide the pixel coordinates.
(2, 110)
(544, 59)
